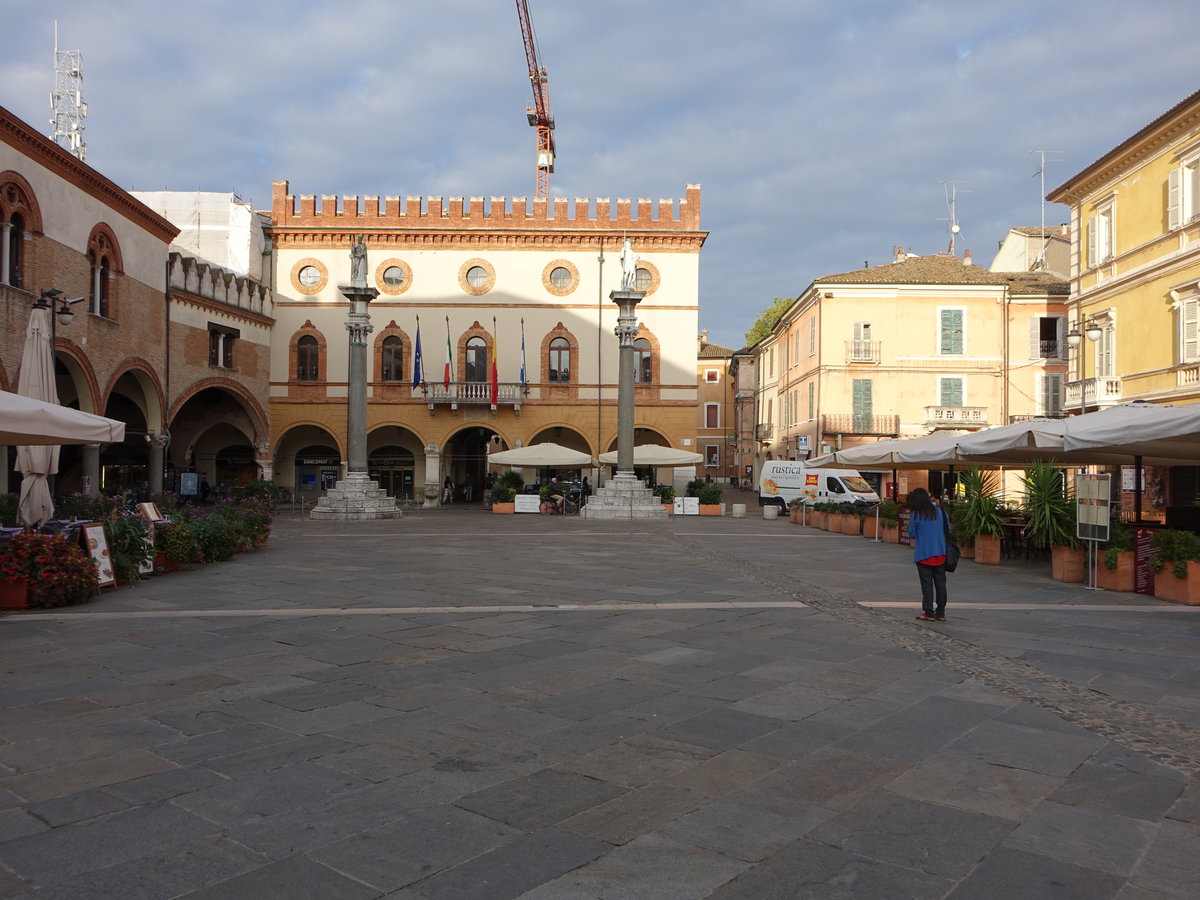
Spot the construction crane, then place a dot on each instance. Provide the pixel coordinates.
(538, 114)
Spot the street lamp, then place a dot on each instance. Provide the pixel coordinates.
(1093, 330)
(60, 316)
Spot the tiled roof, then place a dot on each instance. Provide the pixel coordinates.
(713, 351)
(944, 268)
(1038, 231)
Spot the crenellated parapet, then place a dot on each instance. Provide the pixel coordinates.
(203, 280)
(457, 213)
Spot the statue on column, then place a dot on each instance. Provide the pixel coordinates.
(358, 262)
(629, 261)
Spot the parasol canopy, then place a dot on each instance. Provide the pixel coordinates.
(31, 422)
(548, 455)
(655, 455)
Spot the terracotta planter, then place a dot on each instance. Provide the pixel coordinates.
(260, 539)
(1118, 579)
(14, 594)
(670, 508)
(794, 516)
(833, 523)
(1178, 590)
(852, 525)
(891, 533)
(710, 509)
(1067, 564)
(987, 550)
(504, 509)
(871, 527)
(162, 564)
(967, 552)
(817, 520)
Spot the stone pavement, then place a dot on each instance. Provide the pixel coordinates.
(458, 705)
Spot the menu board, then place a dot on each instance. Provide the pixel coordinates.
(1092, 506)
(527, 503)
(1143, 578)
(96, 544)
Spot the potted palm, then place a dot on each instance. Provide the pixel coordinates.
(1051, 513)
(1176, 566)
(978, 515)
(1115, 572)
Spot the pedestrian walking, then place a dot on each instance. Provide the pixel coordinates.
(468, 487)
(927, 526)
(448, 490)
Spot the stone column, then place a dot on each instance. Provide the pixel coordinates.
(627, 332)
(358, 324)
(158, 444)
(433, 472)
(91, 470)
(265, 462)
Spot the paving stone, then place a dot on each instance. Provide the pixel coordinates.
(634, 765)
(77, 807)
(540, 799)
(1035, 750)
(297, 878)
(1121, 781)
(830, 778)
(1083, 837)
(936, 839)
(274, 756)
(16, 823)
(636, 813)
(974, 786)
(726, 772)
(749, 829)
(807, 870)
(1187, 807)
(258, 796)
(215, 744)
(650, 868)
(59, 781)
(1172, 864)
(602, 697)
(163, 785)
(1007, 874)
(721, 729)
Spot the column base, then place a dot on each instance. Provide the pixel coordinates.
(624, 497)
(355, 498)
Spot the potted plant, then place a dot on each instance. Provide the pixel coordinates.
(710, 499)
(502, 497)
(889, 521)
(796, 510)
(129, 545)
(851, 518)
(1115, 570)
(174, 544)
(978, 514)
(1051, 512)
(666, 496)
(820, 516)
(43, 570)
(1176, 566)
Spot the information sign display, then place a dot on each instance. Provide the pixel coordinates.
(96, 544)
(527, 503)
(1092, 494)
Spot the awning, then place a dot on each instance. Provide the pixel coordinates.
(656, 455)
(24, 421)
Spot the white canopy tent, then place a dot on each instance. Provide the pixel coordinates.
(544, 455)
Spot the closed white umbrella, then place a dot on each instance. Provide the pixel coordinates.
(37, 462)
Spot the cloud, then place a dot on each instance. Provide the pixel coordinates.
(822, 133)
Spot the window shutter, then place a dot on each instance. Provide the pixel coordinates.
(862, 403)
(951, 392)
(1093, 256)
(811, 400)
(1190, 331)
(1063, 347)
(1175, 199)
(1051, 395)
(952, 331)
(862, 331)
(1035, 337)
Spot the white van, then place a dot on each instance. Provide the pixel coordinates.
(782, 481)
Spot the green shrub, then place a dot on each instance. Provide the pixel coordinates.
(260, 489)
(502, 493)
(1175, 547)
(979, 511)
(693, 487)
(509, 479)
(709, 494)
(128, 544)
(8, 510)
(666, 493)
(1049, 506)
(889, 512)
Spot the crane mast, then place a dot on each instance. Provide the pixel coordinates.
(539, 114)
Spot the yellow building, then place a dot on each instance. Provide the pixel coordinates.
(524, 287)
(1135, 268)
(900, 350)
(716, 432)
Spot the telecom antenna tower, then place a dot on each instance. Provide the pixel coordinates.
(951, 189)
(1040, 262)
(67, 100)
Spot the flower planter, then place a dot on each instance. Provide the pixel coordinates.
(1178, 590)
(670, 508)
(710, 509)
(794, 516)
(852, 524)
(1067, 564)
(967, 552)
(162, 564)
(833, 523)
(891, 533)
(504, 509)
(987, 550)
(1118, 579)
(817, 520)
(260, 539)
(14, 594)
(871, 527)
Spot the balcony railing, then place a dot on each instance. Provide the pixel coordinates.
(764, 432)
(471, 393)
(1048, 350)
(862, 351)
(1102, 391)
(956, 416)
(841, 423)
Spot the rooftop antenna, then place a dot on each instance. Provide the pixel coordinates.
(67, 100)
(1040, 262)
(951, 189)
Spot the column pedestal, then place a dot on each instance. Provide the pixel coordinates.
(355, 498)
(624, 497)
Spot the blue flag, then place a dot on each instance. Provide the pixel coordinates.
(522, 353)
(418, 367)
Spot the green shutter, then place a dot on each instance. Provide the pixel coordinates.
(952, 331)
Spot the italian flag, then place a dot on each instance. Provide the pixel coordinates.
(449, 361)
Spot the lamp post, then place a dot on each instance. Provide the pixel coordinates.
(1092, 329)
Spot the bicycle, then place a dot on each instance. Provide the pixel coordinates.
(568, 507)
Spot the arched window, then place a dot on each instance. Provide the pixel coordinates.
(308, 358)
(391, 361)
(477, 360)
(14, 234)
(560, 360)
(643, 358)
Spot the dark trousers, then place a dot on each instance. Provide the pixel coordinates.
(933, 584)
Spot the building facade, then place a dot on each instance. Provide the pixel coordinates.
(478, 285)
(716, 434)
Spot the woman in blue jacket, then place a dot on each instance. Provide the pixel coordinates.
(927, 527)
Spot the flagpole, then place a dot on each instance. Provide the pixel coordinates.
(495, 398)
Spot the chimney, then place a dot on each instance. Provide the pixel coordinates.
(897, 254)
(966, 257)
(703, 337)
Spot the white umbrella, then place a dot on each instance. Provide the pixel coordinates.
(26, 421)
(655, 455)
(1138, 429)
(548, 455)
(37, 462)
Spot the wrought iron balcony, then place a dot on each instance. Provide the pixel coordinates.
(860, 424)
(956, 416)
(764, 432)
(862, 351)
(1102, 391)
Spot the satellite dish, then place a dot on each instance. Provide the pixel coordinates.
(955, 229)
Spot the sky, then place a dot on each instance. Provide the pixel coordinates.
(824, 132)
